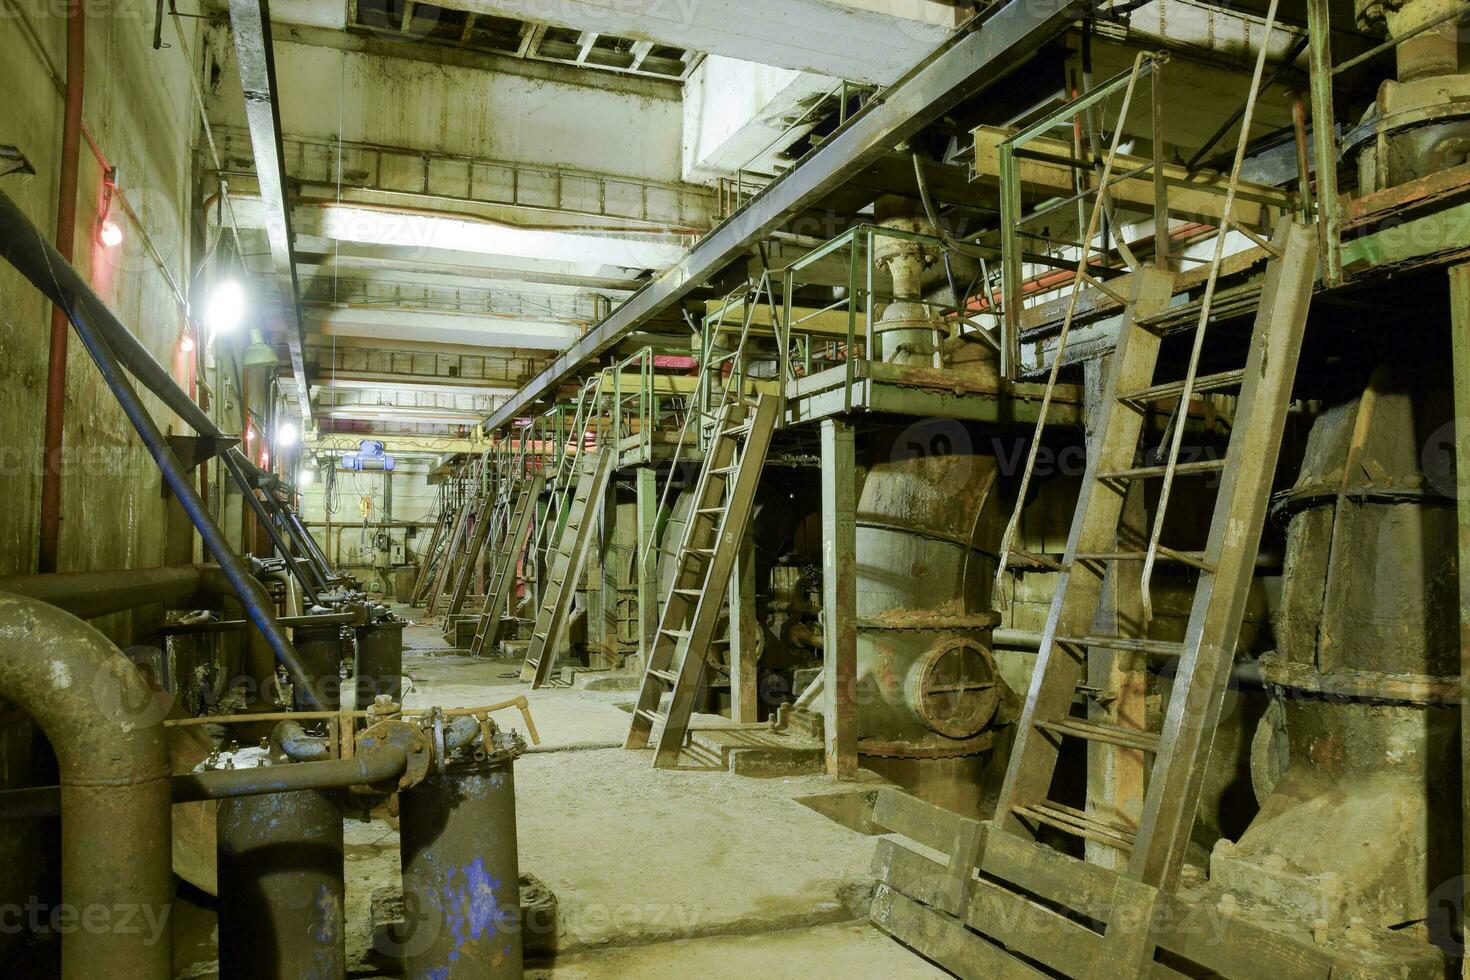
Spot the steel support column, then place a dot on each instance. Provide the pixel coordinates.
(839, 596)
(647, 574)
(744, 636)
(1460, 344)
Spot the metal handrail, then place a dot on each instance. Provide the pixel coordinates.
(1010, 189)
(1207, 300)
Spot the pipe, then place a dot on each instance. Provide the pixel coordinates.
(88, 595)
(378, 764)
(22, 245)
(66, 221)
(232, 460)
(367, 768)
(116, 833)
(235, 625)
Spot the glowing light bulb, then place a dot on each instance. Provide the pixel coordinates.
(110, 234)
(186, 343)
(286, 434)
(226, 307)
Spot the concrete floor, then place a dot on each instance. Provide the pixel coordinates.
(656, 873)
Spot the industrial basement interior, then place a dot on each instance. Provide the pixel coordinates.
(859, 489)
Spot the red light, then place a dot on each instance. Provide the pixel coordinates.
(110, 234)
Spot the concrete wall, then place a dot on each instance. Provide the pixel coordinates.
(349, 545)
(138, 108)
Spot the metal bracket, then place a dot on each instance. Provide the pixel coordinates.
(12, 161)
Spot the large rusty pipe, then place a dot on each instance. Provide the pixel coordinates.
(66, 222)
(115, 819)
(91, 594)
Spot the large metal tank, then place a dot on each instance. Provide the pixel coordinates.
(280, 875)
(1356, 762)
(1419, 123)
(461, 878)
(927, 684)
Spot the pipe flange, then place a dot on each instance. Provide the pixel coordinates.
(902, 749)
(1370, 686)
(410, 739)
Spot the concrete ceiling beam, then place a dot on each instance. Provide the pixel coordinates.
(416, 326)
(854, 39)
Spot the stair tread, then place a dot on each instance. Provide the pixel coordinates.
(1078, 823)
(1180, 469)
(1102, 731)
(1172, 389)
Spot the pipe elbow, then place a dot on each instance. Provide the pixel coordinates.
(102, 718)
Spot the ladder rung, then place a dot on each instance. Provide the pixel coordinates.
(1195, 559)
(1078, 824)
(538, 636)
(1026, 559)
(1180, 469)
(1173, 389)
(667, 676)
(673, 632)
(652, 716)
(722, 470)
(712, 510)
(1096, 731)
(738, 430)
(696, 593)
(1125, 644)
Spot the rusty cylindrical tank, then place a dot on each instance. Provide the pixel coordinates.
(378, 660)
(280, 877)
(461, 879)
(1355, 763)
(321, 650)
(927, 684)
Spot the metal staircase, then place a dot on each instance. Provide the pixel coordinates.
(503, 577)
(724, 499)
(1155, 848)
(1149, 851)
(565, 564)
(489, 519)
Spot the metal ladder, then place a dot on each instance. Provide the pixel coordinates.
(1154, 849)
(502, 579)
(724, 499)
(452, 550)
(489, 517)
(565, 565)
(562, 481)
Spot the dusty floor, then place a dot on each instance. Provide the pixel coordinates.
(656, 873)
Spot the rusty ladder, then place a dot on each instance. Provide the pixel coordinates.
(503, 577)
(1151, 853)
(724, 499)
(565, 564)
